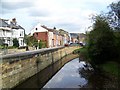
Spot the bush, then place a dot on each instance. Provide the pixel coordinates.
(15, 42)
(83, 53)
(40, 44)
(1, 47)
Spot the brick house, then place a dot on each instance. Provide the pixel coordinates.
(41, 32)
(52, 37)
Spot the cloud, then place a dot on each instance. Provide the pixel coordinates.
(15, 5)
(36, 12)
(71, 15)
(8, 6)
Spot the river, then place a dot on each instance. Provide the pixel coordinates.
(68, 76)
(75, 74)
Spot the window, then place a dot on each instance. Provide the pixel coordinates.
(36, 34)
(4, 32)
(21, 33)
(21, 42)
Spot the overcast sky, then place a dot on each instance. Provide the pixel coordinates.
(70, 15)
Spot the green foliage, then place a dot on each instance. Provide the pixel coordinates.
(15, 42)
(101, 45)
(111, 67)
(1, 46)
(31, 40)
(42, 44)
(82, 52)
(117, 43)
(114, 15)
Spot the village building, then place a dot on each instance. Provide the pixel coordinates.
(9, 29)
(77, 38)
(52, 37)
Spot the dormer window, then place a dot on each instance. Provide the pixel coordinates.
(36, 29)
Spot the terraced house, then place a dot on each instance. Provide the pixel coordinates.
(52, 37)
(9, 29)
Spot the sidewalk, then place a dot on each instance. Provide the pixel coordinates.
(12, 51)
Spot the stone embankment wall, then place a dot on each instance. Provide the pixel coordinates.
(15, 68)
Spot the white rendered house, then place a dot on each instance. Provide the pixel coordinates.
(10, 30)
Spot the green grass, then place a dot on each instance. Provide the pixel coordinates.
(80, 50)
(111, 67)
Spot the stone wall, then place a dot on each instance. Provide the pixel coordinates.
(18, 67)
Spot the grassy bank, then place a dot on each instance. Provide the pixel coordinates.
(111, 68)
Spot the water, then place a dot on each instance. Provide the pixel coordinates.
(68, 76)
(75, 74)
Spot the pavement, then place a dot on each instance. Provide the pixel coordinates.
(13, 51)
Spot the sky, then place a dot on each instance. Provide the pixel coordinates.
(70, 15)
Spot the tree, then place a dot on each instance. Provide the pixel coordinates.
(31, 40)
(114, 20)
(114, 15)
(101, 41)
(15, 42)
(40, 44)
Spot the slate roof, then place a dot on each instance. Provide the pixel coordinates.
(3, 23)
(47, 28)
(13, 26)
(73, 35)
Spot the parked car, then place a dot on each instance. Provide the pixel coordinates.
(66, 45)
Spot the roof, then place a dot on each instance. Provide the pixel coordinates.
(51, 30)
(3, 23)
(13, 26)
(75, 35)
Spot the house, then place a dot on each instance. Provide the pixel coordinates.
(66, 36)
(41, 32)
(82, 37)
(55, 37)
(9, 29)
(77, 37)
(5, 33)
(74, 38)
(52, 37)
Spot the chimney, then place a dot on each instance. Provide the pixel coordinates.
(14, 21)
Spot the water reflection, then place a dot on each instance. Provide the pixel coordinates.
(75, 74)
(68, 76)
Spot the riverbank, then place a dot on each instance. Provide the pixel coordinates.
(112, 71)
(108, 72)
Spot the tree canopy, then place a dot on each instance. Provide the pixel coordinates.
(101, 41)
(114, 15)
